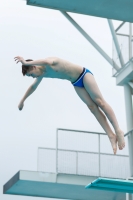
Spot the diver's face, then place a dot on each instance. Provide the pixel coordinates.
(34, 72)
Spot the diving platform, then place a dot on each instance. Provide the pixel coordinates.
(125, 74)
(71, 171)
(118, 185)
(111, 9)
(62, 186)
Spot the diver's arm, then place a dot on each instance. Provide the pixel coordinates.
(47, 61)
(30, 90)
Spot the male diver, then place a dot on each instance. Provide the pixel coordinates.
(85, 86)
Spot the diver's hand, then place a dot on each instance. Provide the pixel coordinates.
(20, 59)
(21, 105)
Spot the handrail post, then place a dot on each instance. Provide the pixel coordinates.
(99, 155)
(56, 153)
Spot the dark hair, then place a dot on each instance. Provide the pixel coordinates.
(25, 68)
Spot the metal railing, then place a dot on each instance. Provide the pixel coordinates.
(71, 158)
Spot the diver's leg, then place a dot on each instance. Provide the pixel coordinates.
(95, 94)
(83, 94)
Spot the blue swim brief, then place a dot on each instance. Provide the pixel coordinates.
(79, 81)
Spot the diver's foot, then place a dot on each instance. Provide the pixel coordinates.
(113, 140)
(120, 139)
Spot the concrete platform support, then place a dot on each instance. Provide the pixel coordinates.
(129, 118)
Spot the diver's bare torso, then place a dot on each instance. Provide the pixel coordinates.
(61, 69)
